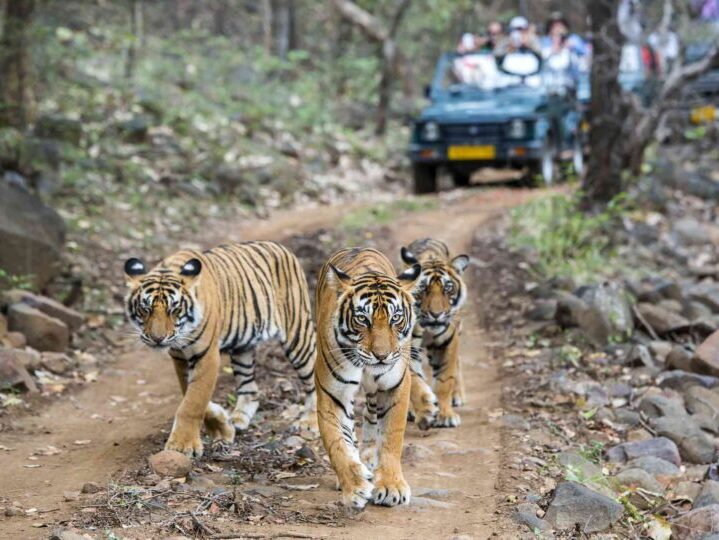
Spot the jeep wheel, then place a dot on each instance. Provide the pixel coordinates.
(461, 179)
(425, 178)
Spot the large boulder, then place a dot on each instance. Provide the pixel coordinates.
(31, 236)
(660, 447)
(70, 317)
(662, 320)
(575, 505)
(694, 444)
(43, 332)
(697, 524)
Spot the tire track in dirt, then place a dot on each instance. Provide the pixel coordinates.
(122, 414)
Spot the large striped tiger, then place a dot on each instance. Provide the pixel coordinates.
(364, 322)
(224, 300)
(440, 295)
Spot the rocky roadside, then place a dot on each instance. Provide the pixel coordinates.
(45, 347)
(613, 410)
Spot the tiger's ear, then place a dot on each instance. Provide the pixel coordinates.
(134, 268)
(337, 278)
(408, 278)
(408, 256)
(191, 269)
(460, 263)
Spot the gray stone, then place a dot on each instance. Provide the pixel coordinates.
(660, 447)
(627, 417)
(660, 319)
(654, 466)
(91, 487)
(73, 319)
(697, 524)
(700, 400)
(43, 332)
(708, 495)
(526, 514)
(707, 294)
(690, 231)
(13, 374)
(694, 445)
(681, 380)
(424, 502)
(543, 310)
(679, 358)
(574, 505)
(635, 477)
(655, 406)
(31, 236)
(586, 472)
(707, 356)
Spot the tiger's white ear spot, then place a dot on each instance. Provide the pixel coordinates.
(337, 276)
(460, 263)
(409, 277)
(191, 268)
(135, 267)
(408, 256)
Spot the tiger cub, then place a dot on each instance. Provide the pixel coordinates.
(440, 295)
(224, 300)
(365, 320)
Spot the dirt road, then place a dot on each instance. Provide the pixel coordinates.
(116, 422)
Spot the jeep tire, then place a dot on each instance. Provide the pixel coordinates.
(425, 178)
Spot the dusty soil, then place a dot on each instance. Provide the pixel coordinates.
(106, 431)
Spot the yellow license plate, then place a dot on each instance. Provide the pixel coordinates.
(707, 113)
(472, 152)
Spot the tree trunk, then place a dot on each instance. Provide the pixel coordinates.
(17, 99)
(135, 39)
(267, 18)
(608, 109)
(284, 22)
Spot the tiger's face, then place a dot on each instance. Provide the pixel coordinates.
(161, 304)
(440, 290)
(374, 315)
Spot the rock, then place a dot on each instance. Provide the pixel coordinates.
(91, 487)
(694, 445)
(73, 319)
(661, 349)
(697, 524)
(58, 127)
(707, 294)
(660, 447)
(31, 235)
(70, 496)
(170, 463)
(66, 534)
(43, 332)
(429, 503)
(696, 310)
(293, 441)
(660, 319)
(526, 514)
(40, 161)
(30, 359)
(574, 505)
(543, 310)
(515, 421)
(654, 466)
(3, 326)
(686, 491)
(416, 453)
(708, 495)
(701, 400)
(679, 358)
(634, 478)
(681, 380)
(620, 389)
(608, 313)
(706, 358)
(201, 483)
(690, 231)
(306, 452)
(656, 406)
(589, 474)
(14, 340)
(57, 363)
(13, 374)
(627, 417)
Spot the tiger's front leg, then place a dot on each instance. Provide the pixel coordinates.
(391, 488)
(200, 384)
(422, 399)
(335, 416)
(445, 365)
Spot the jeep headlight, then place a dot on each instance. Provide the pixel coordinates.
(517, 129)
(430, 131)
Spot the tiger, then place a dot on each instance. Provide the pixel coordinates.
(440, 295)
(226, 300)
(364, 330)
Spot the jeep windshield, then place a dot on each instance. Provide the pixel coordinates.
(479, 74)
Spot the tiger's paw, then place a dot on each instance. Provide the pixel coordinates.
(427, 416)
(391, 492)
(218, 425)
(243, 412)
(308, 422)
(457, 400)
(188, 444)
(358, 489)
(447, 420)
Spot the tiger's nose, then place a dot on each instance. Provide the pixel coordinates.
(435, 315)
(157, 339)
(381, 356)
